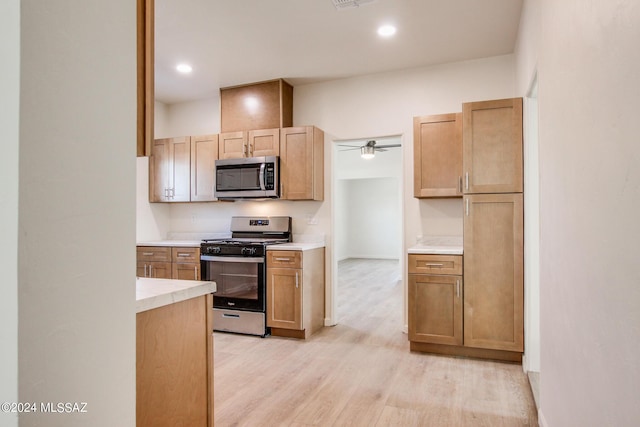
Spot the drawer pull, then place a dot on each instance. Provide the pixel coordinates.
(458, 288)
(147, 253)
(434, 265)
(183, 254)
(282, 259)
(297, 280)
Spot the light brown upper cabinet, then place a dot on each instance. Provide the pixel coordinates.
(254, 143)
(182, 169)
(204, 152)
(493, 272)
(437, 156)
(263, 105)
(169, 170)
(492, 141)
(302, 163)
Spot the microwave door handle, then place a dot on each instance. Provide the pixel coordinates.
(261, 178)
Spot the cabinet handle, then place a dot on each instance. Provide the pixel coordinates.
(183, 254)
(458, 288)
(150, 268)
(434, 265)
(460, 184)
(147, 253)
(173, 193)
(195, 273)
(296, 279)
(250, 151)
(145, 270)
(466, 180)
(467, 207)
(281, 190)
(282, 259)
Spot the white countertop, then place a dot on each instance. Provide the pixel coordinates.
(294, 246)
(172, 243)
(438, 245)
(154, 293)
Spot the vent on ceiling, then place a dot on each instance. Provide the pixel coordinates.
(345, 4)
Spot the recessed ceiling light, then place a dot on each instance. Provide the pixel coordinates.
(386, 31)
(184, 68)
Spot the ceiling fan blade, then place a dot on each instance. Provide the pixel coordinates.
(380, 149)
(350, 149)
(388, 146)
(344, 145)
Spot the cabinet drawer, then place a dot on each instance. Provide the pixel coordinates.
(185, 254)
(153, 253)
(435, 264)
(284, 259)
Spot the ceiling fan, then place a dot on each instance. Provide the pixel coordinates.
(368, 151)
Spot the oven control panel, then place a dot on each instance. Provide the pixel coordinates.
(258, 222)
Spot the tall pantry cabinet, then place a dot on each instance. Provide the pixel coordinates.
(493, 225)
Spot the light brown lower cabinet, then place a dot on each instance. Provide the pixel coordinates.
(435, 299)
(174, 364)
(481, 316)
(493, 272)
(295, 292)
(153, 261)
(162, 262)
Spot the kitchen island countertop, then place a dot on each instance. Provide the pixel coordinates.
(153, 293)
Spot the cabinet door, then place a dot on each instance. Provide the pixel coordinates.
(284, 298)
(437, 156)
(435, 309)
(302, 163)
(159, 170)
(181, 169)
(493, 271)
(186, 271)
(204, 153)
(159, 270)
(492, 139)
(233, 145)
(265, 142)
(169, 170)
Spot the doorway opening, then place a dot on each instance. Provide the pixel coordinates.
(367, 214)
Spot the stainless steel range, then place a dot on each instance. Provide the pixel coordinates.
(238, 266)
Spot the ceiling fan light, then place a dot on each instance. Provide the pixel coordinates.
(367, 152)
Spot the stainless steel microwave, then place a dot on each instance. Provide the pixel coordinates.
(248, 178)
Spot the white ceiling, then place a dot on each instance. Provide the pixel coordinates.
(232, 42)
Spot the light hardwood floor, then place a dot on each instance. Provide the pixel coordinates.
(360, 372)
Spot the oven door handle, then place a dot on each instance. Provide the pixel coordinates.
(261, 179)
(232, 259)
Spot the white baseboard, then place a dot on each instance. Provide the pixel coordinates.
(329, 322)
(541, 421)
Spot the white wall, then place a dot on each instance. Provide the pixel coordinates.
(385, 104)
(588, 69)
(9, 129)
(373, 221)
(526, 67)
(77, 210)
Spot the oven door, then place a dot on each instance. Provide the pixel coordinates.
(240, 281)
